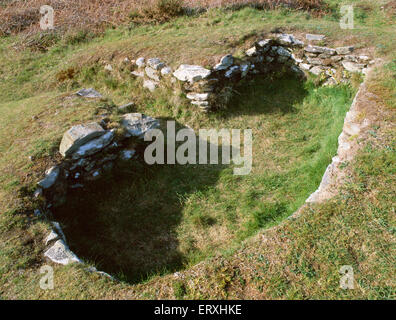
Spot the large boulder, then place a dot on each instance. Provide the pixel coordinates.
(78, 135)
(137, 124)
(191, 73)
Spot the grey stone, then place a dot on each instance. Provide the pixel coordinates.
(231, 72)
(94, 146)
(89, 93)
(344, 50)
(224, 63)
(316, 70)
(51, 237)
(152, 74)
(315, 37)
(263, 43)
(137, 124)
(251, 52)
(283, 52)
(155, 63)
(60, 253)
(315, 61)
(305, 66)
(150, 85)
(351, 58)
(353, 67)
(289, 40)
(198, 96)
(244, 70)
(108, 67)
(165, 71)
(51, 176)
(141, 62)
(317, 49)
(191, 73)
(138, 74)
(58, 230)
(38, 193)
(336, 58)
(79, 135)
(200, 103)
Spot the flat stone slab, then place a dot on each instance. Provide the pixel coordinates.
(315, 37)
(137, 124)
(89, 93)
(344, 50)
(317, 49)
(352, 66)
(191, 73)
(94, 145)
(78, 135)
(60, 253)
(224, 63)
(51, 175)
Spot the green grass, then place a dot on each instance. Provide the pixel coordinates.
(301, 259)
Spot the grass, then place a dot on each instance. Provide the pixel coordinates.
(301, 258)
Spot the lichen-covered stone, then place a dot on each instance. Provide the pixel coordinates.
(191, 73)
(79, 135)
(93, 146)
(137, 124)
(60, 253)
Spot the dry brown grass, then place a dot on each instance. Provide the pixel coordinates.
(20, 15)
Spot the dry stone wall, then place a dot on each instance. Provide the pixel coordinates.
(212, 88)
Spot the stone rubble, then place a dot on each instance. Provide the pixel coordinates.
(264, 57)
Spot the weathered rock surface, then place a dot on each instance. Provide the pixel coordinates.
(137, 124)
(352, 66)
(224, 63)
(89, 93)
(198, 96)
(150, 85)
(94, 146)
(191, 73)
(155, 63)
(317, 49)
(344, 50)
(51, 175)
(315, 37)
(79, 135)
(60, 253)
(140, 62)
(289, 40)
(152, 74)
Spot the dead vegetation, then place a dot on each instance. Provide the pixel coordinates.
(23, 16)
